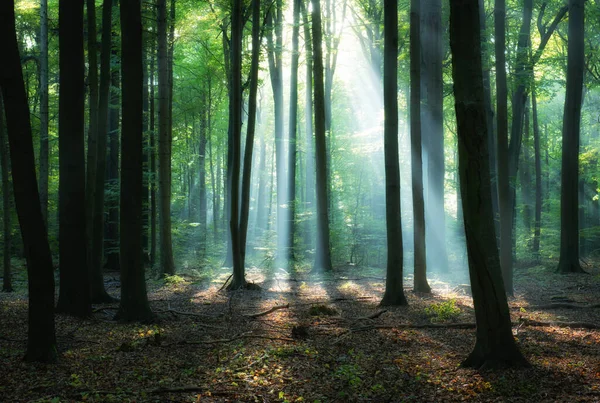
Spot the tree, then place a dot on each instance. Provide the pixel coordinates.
(569, 222)
(323, 251)
(74, 296)
(41, 341)
(167, 265)
(134, 300)
(394, 291)
(420, 261)
(495, 345)
(538, 176)
(98, 291)
(433, 132)
(6, 207)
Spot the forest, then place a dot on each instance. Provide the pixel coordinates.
(302, 200)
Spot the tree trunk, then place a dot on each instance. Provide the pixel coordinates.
(569, 236)
(526, 175)
(41, 341)
(6, 205)
(495, 345)
(152, 182)
(308, 120)
(275, 46)
(249, 149)
(98, 292)
(420, 262)
(167, 264)
(538, 177)
(134, 300)
(44, 116)
(235, 123)
(433, 132)
(293, 128)
(394, 291)
(504, 206)
(74, 296)
(112, 230)
(323, 251)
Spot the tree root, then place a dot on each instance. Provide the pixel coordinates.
(268, 311)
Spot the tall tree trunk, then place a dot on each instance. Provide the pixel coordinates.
(204, 130)
(394, 291)
(420, 263)
(526, 175)
(98, 292)
(152, 183)
(495, 345)
(92, 134)
(504, 206)
(538, 177)
(569, 226)
(134, 300)
(167, 264)
(323, 251)
(275, 46)
(293, 128)
(74, 296)
(112, 230)
(6, 207)
(235, 123)
(433, 132)
(44, 115)
(248, 151)
(308, 120)
(41, 340)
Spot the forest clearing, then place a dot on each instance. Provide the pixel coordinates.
(328, 342)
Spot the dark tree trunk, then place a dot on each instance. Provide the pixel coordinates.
(538, 177)
(134, 300)
(308, 120)
(98, 292)
(495, 345)
(112, 230)
(293, 128)
(249, 149)
(146, 54)
(323, 251)
(433, 133)
(526, 175)
(167, 264)
(152, 181)
(74, 296)
(420, 262)
(6, 205)
(569, 236)
(261, 203)
(44, 116)
(235, 123)
(202, 203)
(41, 341)
(504, 206)
(394, 291)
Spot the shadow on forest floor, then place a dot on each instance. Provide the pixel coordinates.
(327, 341)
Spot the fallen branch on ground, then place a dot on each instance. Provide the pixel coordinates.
(226, 281)
(268, 311)
(570, 325)
(238, 337)
(562, 305)
(175, 313)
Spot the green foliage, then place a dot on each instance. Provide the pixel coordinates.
(443, 311)
(174, 280)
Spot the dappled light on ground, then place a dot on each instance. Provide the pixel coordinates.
(309, 337)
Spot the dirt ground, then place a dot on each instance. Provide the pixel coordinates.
(311, 338)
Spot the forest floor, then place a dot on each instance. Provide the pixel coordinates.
(311, 338)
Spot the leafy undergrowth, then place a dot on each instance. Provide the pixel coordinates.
(311, 339)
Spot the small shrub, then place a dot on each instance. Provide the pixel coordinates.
(444, 311)
(174, 280)
(324, 310)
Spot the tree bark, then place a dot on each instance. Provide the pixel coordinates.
(74, 296)
(112, 229)
(134, 300)
(98, 292)
(394, 290)
(569, 220)
(167, 264)
(538, 177)
(420, 261)
(495, 345)
(6, 205)
(323, 251)
(41, 341)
